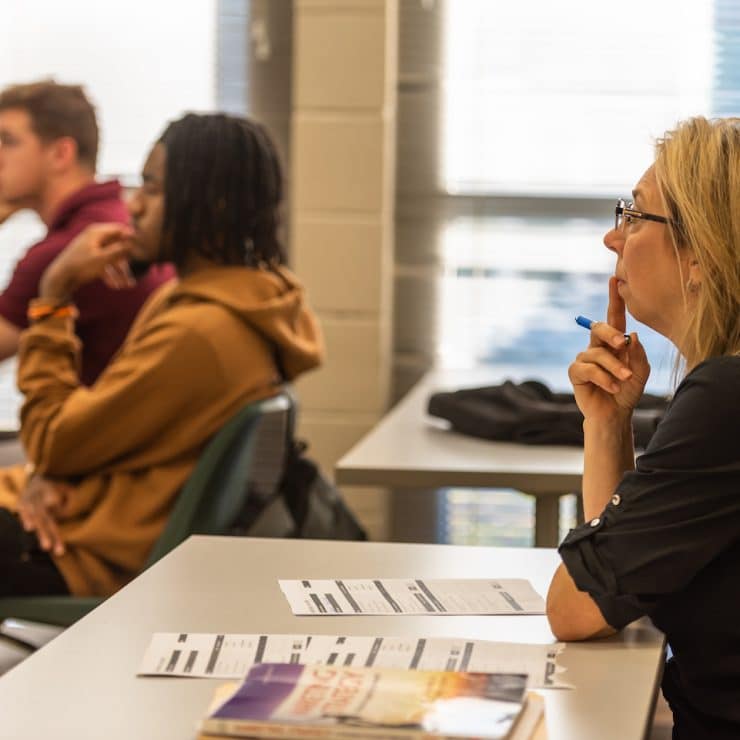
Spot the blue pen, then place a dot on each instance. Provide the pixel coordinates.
(588, 323)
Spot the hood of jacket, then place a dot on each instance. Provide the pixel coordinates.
(272, 302)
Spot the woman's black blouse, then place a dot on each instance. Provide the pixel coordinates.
(668, 545)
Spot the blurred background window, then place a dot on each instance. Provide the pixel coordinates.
(548, 114)
(519, 125)
(568, 97)
(142, 63)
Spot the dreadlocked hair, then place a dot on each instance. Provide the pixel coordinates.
(223, 190)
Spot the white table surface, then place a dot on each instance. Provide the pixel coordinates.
(410, 449)
(83, 684)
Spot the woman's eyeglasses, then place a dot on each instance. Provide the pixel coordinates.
(626, 213)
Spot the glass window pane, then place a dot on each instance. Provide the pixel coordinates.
(567, 97)
(142, 63)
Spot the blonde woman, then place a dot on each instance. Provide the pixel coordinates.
(662, 534)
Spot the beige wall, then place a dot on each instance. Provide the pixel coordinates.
(421, 204)
(342, 195)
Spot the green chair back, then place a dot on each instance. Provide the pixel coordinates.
(245, 458)
(226, 473)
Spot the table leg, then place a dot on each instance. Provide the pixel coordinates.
(547, 521)
(415, 515)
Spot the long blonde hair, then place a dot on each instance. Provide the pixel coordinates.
(697, 168)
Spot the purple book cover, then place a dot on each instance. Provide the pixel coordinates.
(445, 703)
(266, 686)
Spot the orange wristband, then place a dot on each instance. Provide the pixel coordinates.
(42, 311)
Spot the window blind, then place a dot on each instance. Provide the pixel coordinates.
(726, 80)
(142, 63)
(567, 98)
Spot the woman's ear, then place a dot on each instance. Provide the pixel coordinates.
(694, 275)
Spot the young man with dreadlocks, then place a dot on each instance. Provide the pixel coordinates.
(108, 461)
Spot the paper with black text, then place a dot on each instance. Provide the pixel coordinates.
(439, 654)
(374, 596)
(231, 656)
(200, 655)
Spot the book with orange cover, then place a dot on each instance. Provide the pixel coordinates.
(283, 700)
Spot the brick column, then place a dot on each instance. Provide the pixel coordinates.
(342, 198)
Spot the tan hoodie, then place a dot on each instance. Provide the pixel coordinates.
(200, 349)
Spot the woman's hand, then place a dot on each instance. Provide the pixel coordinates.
(38, 508)
(609, 377)
(100, 251)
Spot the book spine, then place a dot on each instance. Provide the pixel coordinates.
(242, 728)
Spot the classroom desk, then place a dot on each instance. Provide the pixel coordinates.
(83, 684)
(408, 449)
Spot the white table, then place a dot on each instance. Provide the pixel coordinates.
(83, 684)
(408, 449)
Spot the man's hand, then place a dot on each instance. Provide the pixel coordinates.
(100, 251)
(38, 507)
(7, 210)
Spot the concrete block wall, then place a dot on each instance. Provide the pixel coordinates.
(422, 205)
(342, 173)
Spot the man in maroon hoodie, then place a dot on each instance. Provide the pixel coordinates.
(48, 153)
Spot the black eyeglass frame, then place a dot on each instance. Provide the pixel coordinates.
(624, 208)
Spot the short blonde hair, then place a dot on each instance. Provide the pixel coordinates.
(697, 168)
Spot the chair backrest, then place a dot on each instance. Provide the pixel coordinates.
(245, 458)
